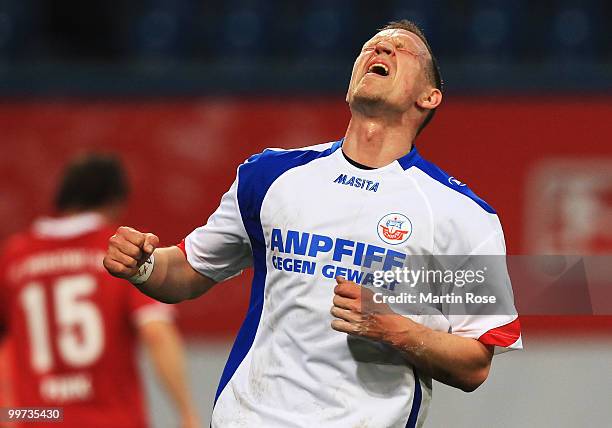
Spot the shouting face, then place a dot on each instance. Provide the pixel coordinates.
(390, 73)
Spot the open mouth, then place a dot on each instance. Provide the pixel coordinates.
(378, 68)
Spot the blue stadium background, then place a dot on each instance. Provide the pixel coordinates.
(191, 47)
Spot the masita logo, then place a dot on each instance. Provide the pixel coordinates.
(454, 181)
(360, 183)
(394, 228)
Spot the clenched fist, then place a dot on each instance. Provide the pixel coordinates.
(127, 250)
(357, 313)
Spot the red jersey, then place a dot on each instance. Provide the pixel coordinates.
(72, 326)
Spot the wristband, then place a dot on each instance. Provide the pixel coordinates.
(144, 271)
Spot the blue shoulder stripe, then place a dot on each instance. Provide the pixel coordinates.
(439, 175)
(254, 179)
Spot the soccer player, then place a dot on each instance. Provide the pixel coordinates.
(74, 328)
(312, 222)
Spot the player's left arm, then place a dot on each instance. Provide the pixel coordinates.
(163, 344)
(454, 360)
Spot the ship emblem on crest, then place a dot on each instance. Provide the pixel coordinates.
(394, 228)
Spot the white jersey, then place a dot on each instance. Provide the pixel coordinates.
(300, 218)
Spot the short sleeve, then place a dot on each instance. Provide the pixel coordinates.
(492, 324)
(144, 309)
(221, 248)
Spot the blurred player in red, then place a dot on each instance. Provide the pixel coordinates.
(73, 328)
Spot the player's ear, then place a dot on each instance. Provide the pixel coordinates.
(430, 98)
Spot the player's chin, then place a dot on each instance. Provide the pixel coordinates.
(368, 99)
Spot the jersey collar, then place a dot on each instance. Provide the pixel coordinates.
(409, 158)
(68, 226)
(406, 161)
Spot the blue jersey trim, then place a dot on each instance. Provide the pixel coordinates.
(254, 180)
(416, 402)
(409, 159)
(442, 177)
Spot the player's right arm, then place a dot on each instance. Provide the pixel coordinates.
(172, 280)
(214, 252)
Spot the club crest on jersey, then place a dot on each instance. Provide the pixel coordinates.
(394, 228)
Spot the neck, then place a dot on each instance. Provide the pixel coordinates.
(377, 141)
(110, 213)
